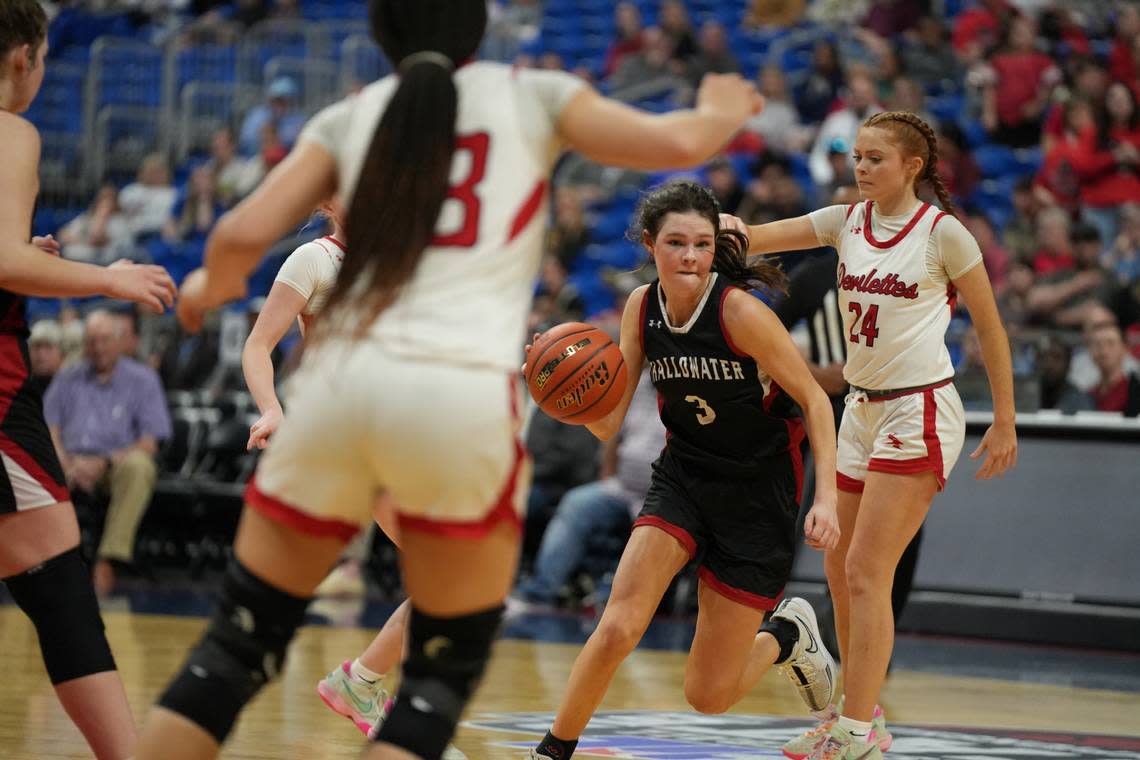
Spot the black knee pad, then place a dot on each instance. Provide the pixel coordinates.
(446, 659)
(242, 650)
(60, 600)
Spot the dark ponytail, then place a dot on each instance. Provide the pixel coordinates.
(404, 178)
(730, 256)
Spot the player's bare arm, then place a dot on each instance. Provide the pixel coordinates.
(630, 344)
(999, 443)
(25, 268)
(797, 234)
(758, 332)
(611, 132)
(282, 306)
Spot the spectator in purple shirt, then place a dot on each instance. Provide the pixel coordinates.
(107, 414)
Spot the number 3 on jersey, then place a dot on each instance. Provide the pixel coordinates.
(868, 330)
(467, 232)
(705, 413)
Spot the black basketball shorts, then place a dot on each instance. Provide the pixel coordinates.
(740, 530)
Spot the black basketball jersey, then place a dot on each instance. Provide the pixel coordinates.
(721, 410)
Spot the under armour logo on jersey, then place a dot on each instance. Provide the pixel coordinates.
(894, 441)
(656, 323)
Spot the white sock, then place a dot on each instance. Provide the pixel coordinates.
(857, 728)
(361, 673)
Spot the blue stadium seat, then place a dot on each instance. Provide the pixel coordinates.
(212, 63)
(946, 108)
(996, 161)
(995, 198)
(596, 294)
(974, 132)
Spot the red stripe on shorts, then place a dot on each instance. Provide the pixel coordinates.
(288, 515)
(755, 601)
(676, 531)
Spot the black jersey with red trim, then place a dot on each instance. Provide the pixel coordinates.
(721, 410)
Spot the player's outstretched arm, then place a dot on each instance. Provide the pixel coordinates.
(796, 234)
(999, 443)
(630, 344)
(613, 133)
(36, 271)
(758, 332)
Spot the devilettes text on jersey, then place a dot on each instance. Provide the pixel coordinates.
(895, 290)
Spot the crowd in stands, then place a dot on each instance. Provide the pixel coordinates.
(1035, 103)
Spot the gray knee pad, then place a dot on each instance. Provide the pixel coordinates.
(60, 600)
(241, 651)
(446, 659)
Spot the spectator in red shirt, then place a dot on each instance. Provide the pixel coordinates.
(627, 17)
(1089, 80)
(1116, 390)
(1013, 103)
(1107, 162)
(1057, 179)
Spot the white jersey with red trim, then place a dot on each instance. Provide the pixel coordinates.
(895, 291)
(469, 297)
(311, 270)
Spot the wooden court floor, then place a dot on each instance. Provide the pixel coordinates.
(288, 721)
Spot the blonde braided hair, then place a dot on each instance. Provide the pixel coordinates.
(916, 139)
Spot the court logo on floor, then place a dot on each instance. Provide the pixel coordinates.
(686, 736)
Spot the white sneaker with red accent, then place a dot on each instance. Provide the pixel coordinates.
(363, 703)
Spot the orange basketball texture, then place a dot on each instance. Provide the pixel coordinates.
(575, 373)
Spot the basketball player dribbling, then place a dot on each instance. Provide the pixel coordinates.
(902, 264)
(302, 286)
(409, 382)
(726, 489)
(39, 536)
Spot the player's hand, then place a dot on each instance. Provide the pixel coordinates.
(821, 526)
(730, 222)
(526, 351)
(730, 96)
(265, 426)
(47, 244)
(198, 295)
(146, 284)
(999, 444)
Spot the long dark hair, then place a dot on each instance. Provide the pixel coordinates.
(730, 256)
(22, 22)
(404, 179)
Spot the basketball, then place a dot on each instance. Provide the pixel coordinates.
(575, 373)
